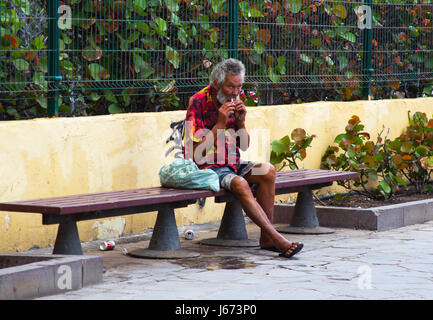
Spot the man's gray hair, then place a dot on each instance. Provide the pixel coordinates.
(232, 66)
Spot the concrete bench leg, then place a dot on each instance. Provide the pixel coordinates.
(232, 231)
(67, 240)
(304, 220)
(165, 243)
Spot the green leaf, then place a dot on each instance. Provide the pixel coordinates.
(42, 102)
(204, 19)
(340, 138)
(378, 157)
(114, 108)
(68, 67)
(280, 21)
(39, 78)
(343, 63)
(160, 26)
(172, 5)
(214, 36)
(21, 64)
(172, 56)
(395, 145)
(133, 37)
(94, 96)
(142, 27)
(316, 42)
(329, 61)
(349, 36)
(421, 150)
(406, 147)
(126, 97)
(142, 4)
(400, 180)
(281, 65)
(427, 162)
(293, 166)
(340, 197)
(295, 6)
(64, 108)
(154, 3)
(351, 154)
(96, 71)
(13, 112)
(245, 8)
(275, 159)
(182, 36)
(216, 5)
(340, 11)
(259, 47)
(38, 42)
(305, 58)
(139, 63)
(110, 97)
(279, 146)
(273, 76)
(255, 13)
(385, 186)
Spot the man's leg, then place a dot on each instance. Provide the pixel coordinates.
(263, 175)
(240, 187)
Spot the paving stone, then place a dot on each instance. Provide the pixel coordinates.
(348, 264)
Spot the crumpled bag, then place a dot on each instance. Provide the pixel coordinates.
(184, 174)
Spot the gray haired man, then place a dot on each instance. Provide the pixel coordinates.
(215, 127)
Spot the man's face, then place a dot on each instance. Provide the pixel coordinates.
(230, 88)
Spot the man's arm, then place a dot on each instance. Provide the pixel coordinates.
(240, 115)
(224, 113)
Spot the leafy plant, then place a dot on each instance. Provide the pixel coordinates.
(286, 151)
(413, 152)
(377, 176)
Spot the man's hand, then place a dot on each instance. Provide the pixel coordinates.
(240, 114)
(225, 111)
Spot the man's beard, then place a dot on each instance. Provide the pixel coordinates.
(222, 98)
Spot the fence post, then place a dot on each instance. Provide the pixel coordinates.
(367, 48)
(53, 58)
(233, 29)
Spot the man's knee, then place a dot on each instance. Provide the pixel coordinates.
(266, 171)
(240, 187)
(272, 173)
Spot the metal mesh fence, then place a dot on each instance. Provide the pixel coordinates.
(402, 48)
(23, 58)
(152, 55)
(144, 56)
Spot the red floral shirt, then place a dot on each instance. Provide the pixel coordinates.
(201, 116)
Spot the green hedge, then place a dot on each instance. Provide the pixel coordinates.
(151, 55)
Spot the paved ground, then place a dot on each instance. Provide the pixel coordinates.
(348, 264)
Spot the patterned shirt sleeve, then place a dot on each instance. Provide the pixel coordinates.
(194, 120)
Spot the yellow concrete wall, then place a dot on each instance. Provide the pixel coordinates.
(62, 156)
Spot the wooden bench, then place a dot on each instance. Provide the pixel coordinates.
(165, 243)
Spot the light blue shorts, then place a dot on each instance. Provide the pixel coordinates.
(226, 174)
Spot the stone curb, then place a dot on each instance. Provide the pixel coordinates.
(377, 218)
(24, 276)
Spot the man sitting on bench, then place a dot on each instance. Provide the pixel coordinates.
(215, 131)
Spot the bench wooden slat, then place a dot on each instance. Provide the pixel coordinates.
(159, 195)
(306, 177)
(94, 202)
